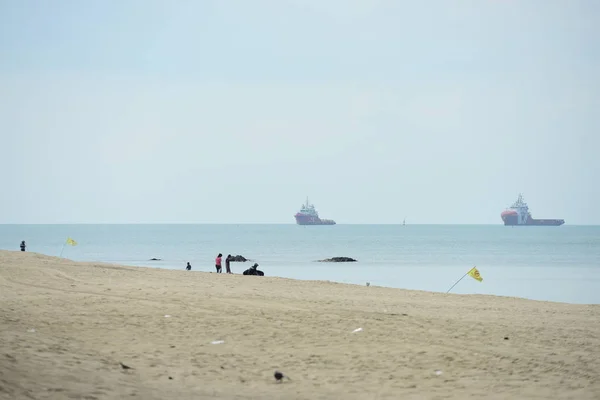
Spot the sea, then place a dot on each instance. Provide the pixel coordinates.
(560, 264)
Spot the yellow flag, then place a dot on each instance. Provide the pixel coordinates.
(475, 274)
(71, 242)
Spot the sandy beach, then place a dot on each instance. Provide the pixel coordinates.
(65, 327)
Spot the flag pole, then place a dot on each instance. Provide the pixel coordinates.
(61, 250)
(456, 283)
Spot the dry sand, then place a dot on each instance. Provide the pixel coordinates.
(89, 317)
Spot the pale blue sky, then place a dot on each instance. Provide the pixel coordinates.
(235, 111)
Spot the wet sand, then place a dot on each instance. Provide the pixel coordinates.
(66, 326)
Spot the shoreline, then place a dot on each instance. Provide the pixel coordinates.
(65, 326)
(148, 265)
(138, 265)
(316, 281)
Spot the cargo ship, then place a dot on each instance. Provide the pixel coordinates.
(518, 214)
(309, 216)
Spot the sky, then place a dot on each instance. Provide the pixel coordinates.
(234, 111)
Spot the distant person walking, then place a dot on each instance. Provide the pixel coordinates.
(218, 263)
(227, 262)
(23, 245)
(188, 266)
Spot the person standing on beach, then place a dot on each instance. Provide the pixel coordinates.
(227, 262)
(188, 266)
(218, 263)
(23, 245)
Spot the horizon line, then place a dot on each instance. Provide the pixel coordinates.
(265, 223)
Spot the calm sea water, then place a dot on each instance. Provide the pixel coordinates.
(542, 263)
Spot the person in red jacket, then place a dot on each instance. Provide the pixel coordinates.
(218, 263)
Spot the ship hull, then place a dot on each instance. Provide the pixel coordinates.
(305, 220)
(317, 223)
(511, 220)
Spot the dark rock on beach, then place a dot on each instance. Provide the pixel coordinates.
(338, 259)
(238, 258)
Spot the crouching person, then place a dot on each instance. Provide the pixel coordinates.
(254, 271)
